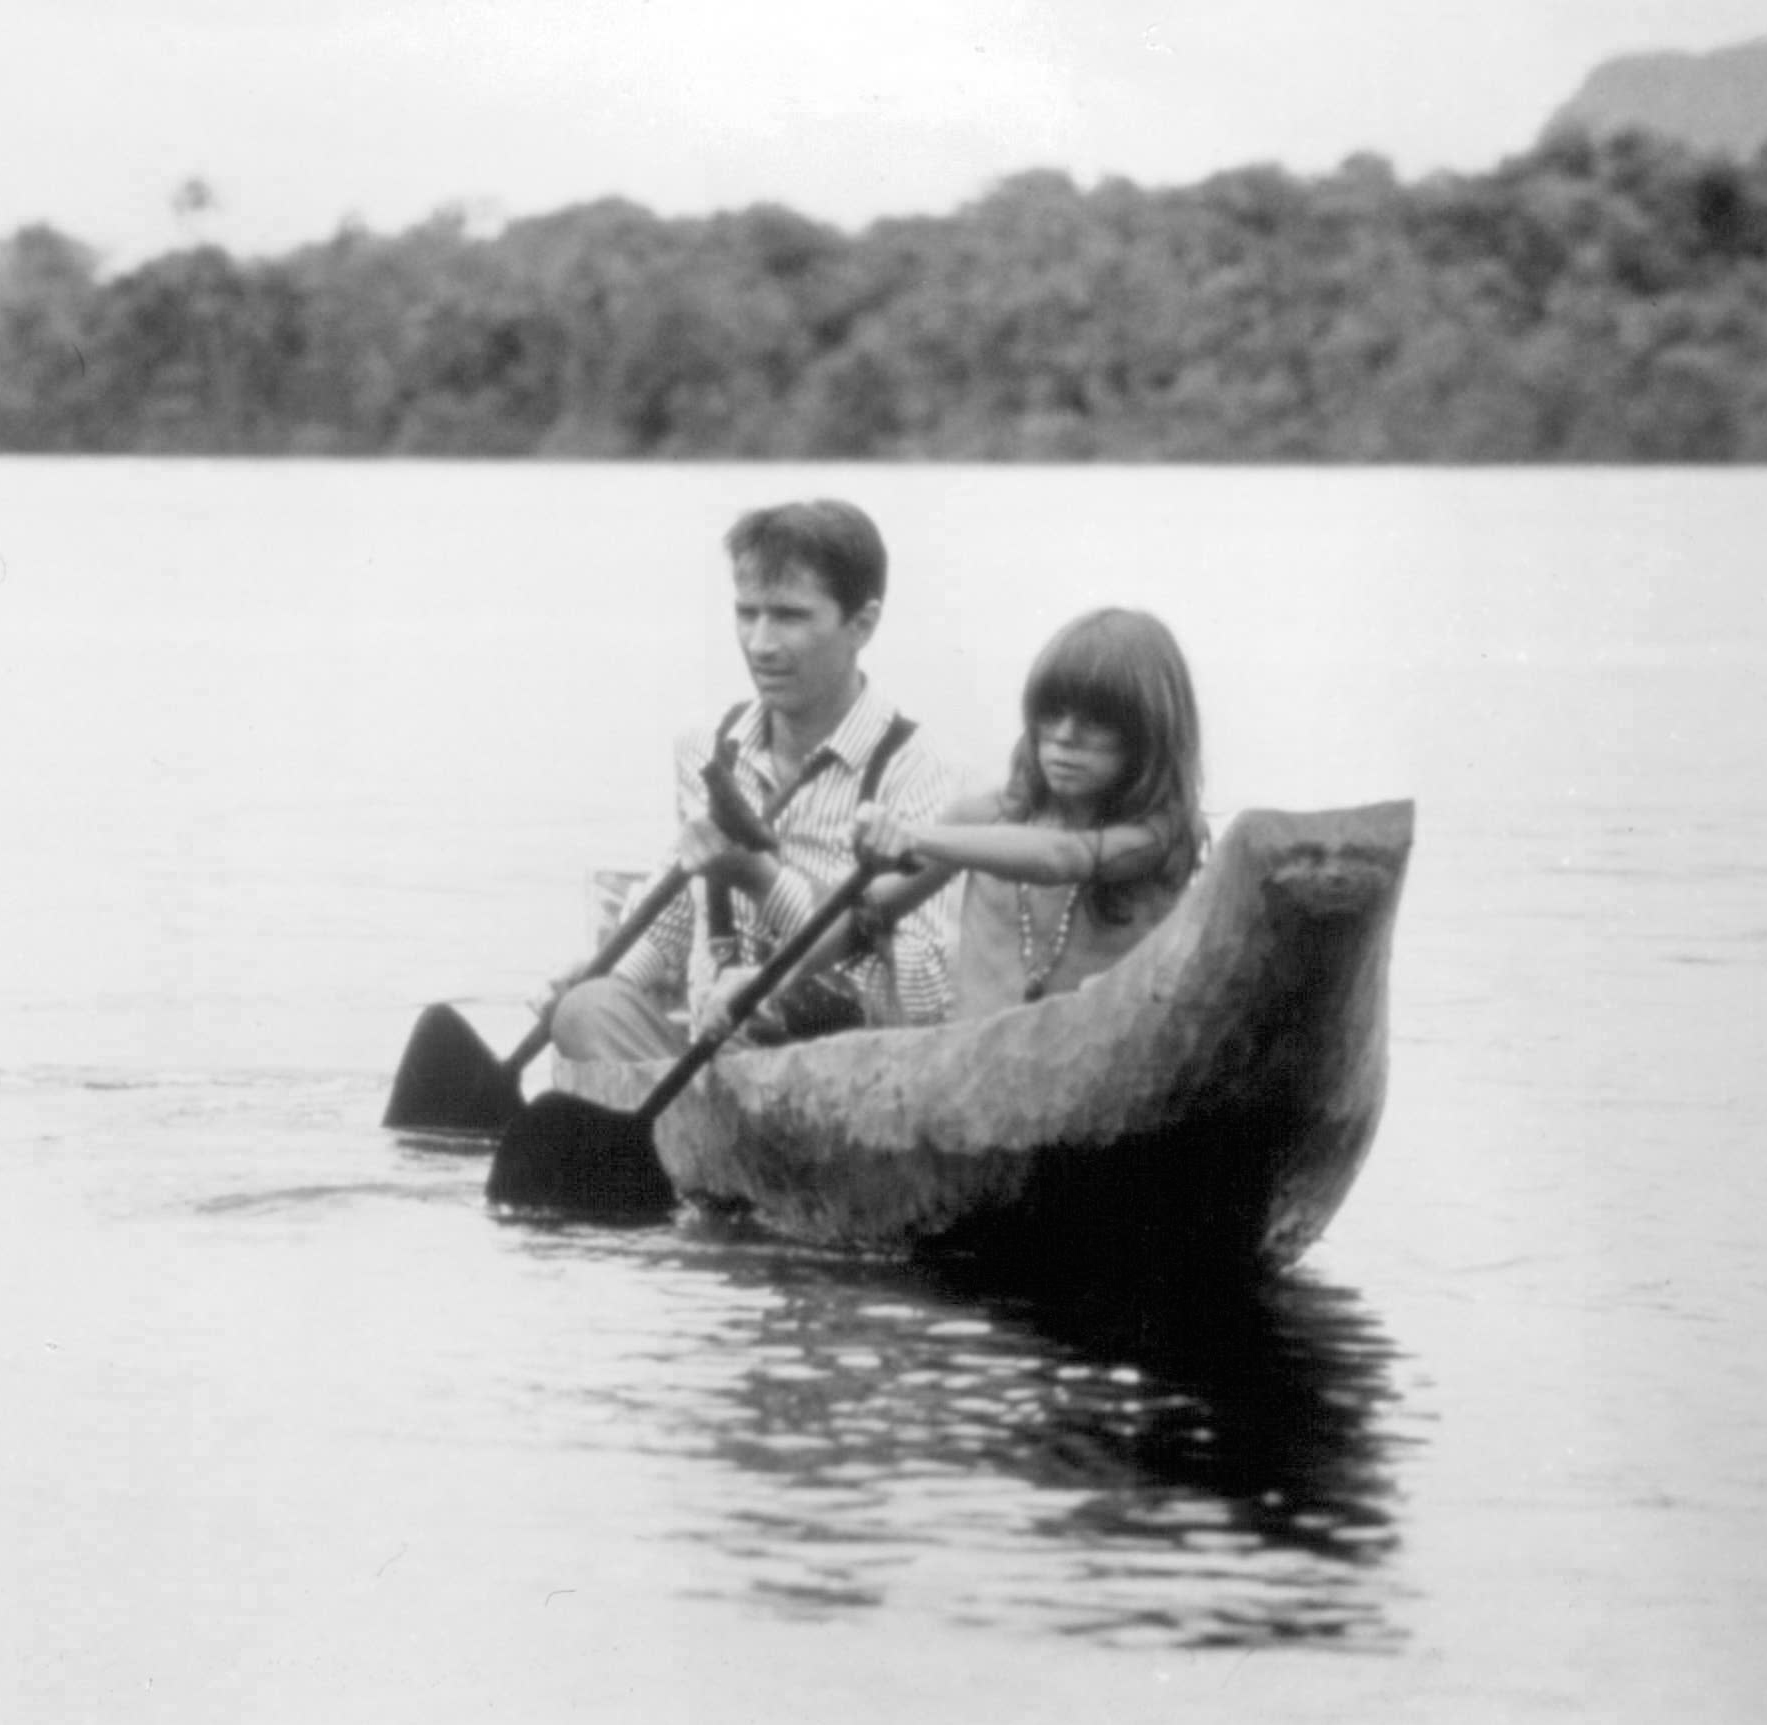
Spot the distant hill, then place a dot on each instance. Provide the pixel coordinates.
(1715, 101)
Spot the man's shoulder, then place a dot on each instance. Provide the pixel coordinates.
(905, 736)
(695, 742)
(918, 749)
(693, 746)
(917, 775)
(876, 715)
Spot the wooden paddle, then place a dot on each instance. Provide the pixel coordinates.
(565, 1153)
(450, 1081)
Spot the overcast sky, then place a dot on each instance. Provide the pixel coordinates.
(304, 113)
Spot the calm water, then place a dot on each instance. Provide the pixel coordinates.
(294, 1430)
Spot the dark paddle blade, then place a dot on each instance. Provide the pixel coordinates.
(450, 1081)
(562, 1153)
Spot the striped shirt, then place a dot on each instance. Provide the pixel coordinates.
(909, 983)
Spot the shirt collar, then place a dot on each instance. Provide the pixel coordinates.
(851, 742)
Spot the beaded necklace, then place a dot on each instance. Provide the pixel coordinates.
(1037, 975)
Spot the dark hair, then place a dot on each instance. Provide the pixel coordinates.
(838, 540)
(1122, 669)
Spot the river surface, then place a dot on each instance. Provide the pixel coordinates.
(294, 1429)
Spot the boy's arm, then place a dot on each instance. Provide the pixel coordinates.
(1043, 856)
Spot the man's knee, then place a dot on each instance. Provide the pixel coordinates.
(609, 1018)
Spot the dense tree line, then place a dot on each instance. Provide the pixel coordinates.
(1586, 302)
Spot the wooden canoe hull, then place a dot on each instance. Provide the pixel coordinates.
(1214, 1094)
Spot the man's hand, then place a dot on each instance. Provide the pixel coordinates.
(703, 848)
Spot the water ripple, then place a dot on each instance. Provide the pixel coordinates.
(1217, 1472)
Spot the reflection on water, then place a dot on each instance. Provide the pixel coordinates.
(1216, 1473)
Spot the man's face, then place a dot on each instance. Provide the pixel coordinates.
(802, 653)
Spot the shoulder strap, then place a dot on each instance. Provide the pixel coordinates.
(901, 728)
(720, 912)
(723, 743)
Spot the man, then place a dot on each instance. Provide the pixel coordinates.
(814, 744)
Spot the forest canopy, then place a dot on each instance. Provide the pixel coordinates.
(1590, 301)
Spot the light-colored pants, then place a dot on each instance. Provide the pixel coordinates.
(609, 1018)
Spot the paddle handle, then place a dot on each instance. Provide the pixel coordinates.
(617, 945)
(726, 804)
(756, 989)
(739, 823)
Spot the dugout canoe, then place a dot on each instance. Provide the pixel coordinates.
(1211, 1097)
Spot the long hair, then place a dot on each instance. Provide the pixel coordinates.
(1125, 670)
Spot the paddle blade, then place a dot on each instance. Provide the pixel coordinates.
(562, 1153)
(450, 1081)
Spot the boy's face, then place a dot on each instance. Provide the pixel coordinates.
(1081, 761)
(802, 653)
